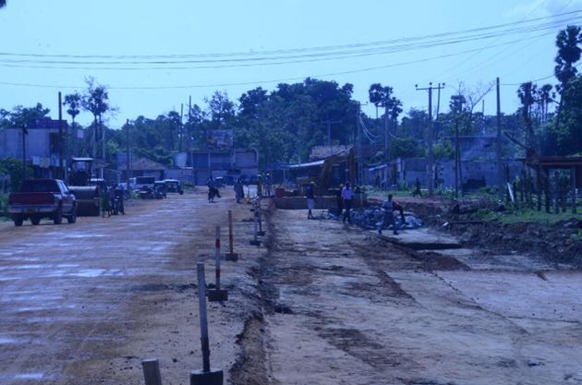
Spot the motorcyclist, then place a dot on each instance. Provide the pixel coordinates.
(118, 196)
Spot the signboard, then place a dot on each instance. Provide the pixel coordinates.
(220, 140)
(50, 123)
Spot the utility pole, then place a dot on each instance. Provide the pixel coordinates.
(181, 129)
(128, 160)
(500, 173)
(386, 146)
(190, 143)
(62, 172)
(329, 123)
(24, 133)
(360, 171)
(430, 180)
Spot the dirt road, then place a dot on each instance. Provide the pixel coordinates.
(317, 302)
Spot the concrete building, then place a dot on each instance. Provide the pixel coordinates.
(39, 147)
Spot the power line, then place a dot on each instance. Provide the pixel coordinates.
(336, 52)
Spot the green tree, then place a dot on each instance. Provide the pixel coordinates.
(381, 96)
(74, 103)
(96, 101)
(544, 98)
(527, 96)
(194, 128)
(569, 133)
(13, 167)
(568, 53)
(23, 116)
(221, 111)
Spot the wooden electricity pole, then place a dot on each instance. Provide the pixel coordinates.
(431, 168)
(500, 173)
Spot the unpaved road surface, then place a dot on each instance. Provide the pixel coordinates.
(316, 303)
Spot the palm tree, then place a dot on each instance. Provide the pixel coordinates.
(74, 102)
(527, 96)
(544, 97)
(96, 101)
(377, 96)
(568, 53)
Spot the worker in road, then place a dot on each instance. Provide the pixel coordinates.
(388, 207)
(310, 195)
(267, 183)
(417, 189)
(212, 189)
(238, 190)
(347, 196)
(339, 200)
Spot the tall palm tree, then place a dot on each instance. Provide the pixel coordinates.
(527, 96)
(568, 53)
(544, 97)
(74, 102)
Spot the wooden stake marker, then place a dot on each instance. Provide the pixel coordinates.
(231, 255)
(206, 376)
(217, 294)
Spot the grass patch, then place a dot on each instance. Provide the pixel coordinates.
(537, 217)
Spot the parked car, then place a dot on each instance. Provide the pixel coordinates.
(42, 198)
(147, 192)
(173, 186)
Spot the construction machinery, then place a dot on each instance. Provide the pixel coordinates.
(87, 194)
(327, 174)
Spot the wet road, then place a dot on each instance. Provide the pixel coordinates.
(84, 303)
(65, 290)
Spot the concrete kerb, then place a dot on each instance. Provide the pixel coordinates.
(151, 372)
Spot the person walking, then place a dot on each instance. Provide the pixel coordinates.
(238, 190)
(388, 207)
(105, 202)
(347, 196)
(417, 189)
(260, 186)
(310, 195)
(211, 189)
(267, 183)
(339, 200)
(118, 197)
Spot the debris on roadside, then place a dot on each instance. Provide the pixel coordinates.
(370, 218)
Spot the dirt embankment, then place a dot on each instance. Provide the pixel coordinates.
(559, 243)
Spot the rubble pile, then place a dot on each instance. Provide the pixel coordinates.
(370, 218)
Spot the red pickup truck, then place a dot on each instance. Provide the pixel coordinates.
(42, 198)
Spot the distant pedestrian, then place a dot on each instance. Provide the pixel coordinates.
(267, 183)
(339, 200)
(211, 189)
(105, 202)
(417, 189)
(259, 186)
(238, 190)
(118, 197)
(310, 195)
(347, 196)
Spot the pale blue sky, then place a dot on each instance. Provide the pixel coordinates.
(153, 55)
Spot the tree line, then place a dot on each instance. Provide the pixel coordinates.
(284, 124)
